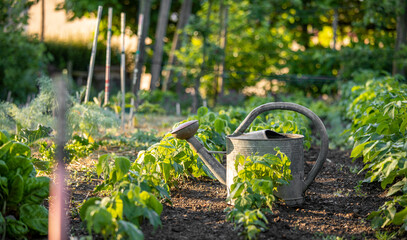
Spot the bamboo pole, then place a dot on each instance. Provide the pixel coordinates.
(108, 53)
(93, 55)
(136, 60)
(123, 67)
(58, 220)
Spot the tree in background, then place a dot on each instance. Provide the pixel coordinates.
(288, 39)
(21, 56)
(276, 39)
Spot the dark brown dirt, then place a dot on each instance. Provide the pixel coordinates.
(333, 207)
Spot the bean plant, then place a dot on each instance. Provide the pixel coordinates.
(134, 195)
(379, 124)
(252, 191)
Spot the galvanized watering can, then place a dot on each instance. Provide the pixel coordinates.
(263, 142)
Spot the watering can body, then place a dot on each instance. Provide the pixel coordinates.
(260, 143)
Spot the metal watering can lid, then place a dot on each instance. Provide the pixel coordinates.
(265, 134)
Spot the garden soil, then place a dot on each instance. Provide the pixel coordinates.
(334, 207)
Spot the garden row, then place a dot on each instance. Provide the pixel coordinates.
(378, 111)
(133, 190)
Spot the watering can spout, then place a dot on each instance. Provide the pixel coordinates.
(186, 131)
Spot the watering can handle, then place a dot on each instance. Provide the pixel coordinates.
(300, 109)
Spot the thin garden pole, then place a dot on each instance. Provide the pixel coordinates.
(123, 67)
(137, 56)
(93, 55)
(58, 220)
(108, 53)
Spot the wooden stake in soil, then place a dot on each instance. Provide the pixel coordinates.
(58, 220)
(123, 67)
(137, 56)
(108, 53)
(93, 55)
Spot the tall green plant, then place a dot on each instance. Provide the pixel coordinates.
(379, 125)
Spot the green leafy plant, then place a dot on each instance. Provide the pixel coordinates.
(134, 196)
(136, 140)
(29, 136)
(172, 160)
(252, 191)
(76, 148)
(21, 192)
(91, 120)
(379, 124)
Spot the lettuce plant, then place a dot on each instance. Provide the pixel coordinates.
(21, 192)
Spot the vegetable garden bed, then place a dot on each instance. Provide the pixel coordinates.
(334, 206)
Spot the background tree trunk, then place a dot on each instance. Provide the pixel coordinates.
(159, 42)
(401, 38)
(205, 34)
(223, 40)
(42, 20)
(146, 9)
(183, 20)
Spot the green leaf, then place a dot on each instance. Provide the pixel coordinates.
(3, 168)
(36, 190)
(122, 165)
(15, 229)
(202, 111)
(5, 148)
(396, 187)
(243, 202)
(16, 189)
(23, 163)
(86, 204)
(400, 216)
(377, 222)
(403, 125)
(165, 169)
(382, 126)
(128, 230)
(99, 219)
(4, 137)
(31, 136)
(219, 125)
(153, 217)
(263, 186)
(236, 190)
(211, 117)
(2, 224)
(103, 165)
(357, 151)
(131, 211)
(163, 191)
(3, 187)
(152, 202)
(20, 149)
(35, 217)
(252, 231)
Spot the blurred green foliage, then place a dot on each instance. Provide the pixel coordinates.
(78, 53)
(22, 57)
